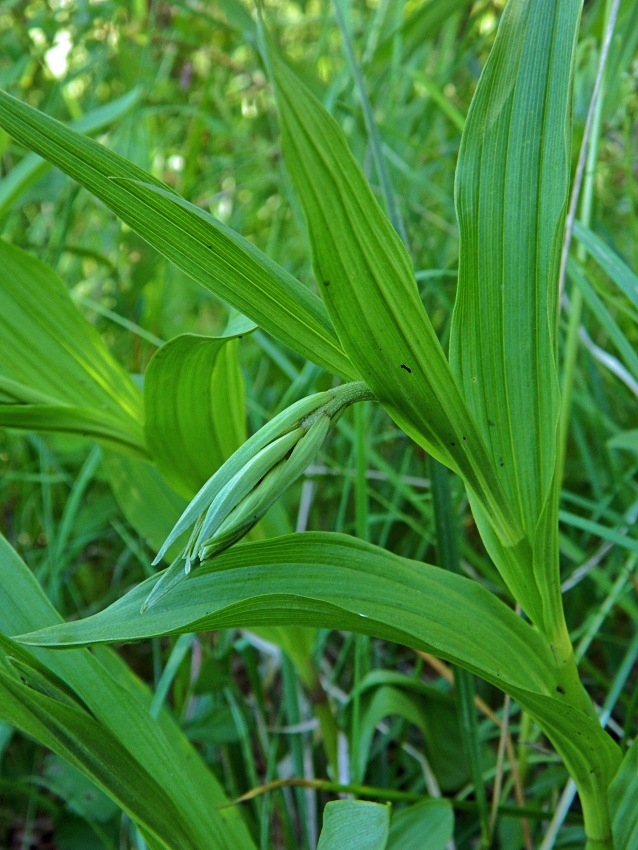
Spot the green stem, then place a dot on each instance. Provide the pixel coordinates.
(597, 820)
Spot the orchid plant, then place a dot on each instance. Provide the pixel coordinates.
(489, 412)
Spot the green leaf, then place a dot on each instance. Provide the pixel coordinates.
(79, 794)
(333, 581)
(67, 419)
(75, 735)
(590, 755)
(512, 185)
(367, 281)
(194, 404)
(604, 317)
(432, 712)
(421, 26)
(609, 262)
(428, 825)
(90, 708)
(625, 440)
(623, 794)
(32, 167)
(56, 374)
(205, 249)
(354, 825)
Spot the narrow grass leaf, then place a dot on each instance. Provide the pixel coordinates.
(208, 251)
(609, 261)
(604, 317)
(421, 25)
(432, 712)
(194, 405)
(623, 794)
(343, 583)
(56, 374)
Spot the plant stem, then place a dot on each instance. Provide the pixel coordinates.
(597, 821)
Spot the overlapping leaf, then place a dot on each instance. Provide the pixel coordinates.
(428, 825)
(32, 167)
(354, 825)
(334, 581)
(512, 187)
(56, 374)
(194, 405)
(206, 250)
(92, 710)
(367, 282)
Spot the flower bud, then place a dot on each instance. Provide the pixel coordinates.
(238, 495)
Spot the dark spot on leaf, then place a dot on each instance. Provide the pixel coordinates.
(326, 283)
(407, 368)
(464, 437)
(560, 690)
(452, 444)
(491, 424)
(209, 246)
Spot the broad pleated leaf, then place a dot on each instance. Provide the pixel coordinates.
(367, 282)
(90, 708)
(56, 374)
(194, 405)
(354, 825)
(334, 581)
(512, 186)
(623, 794)
(205, 249)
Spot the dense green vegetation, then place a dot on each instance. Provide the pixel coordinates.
(270, 671)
